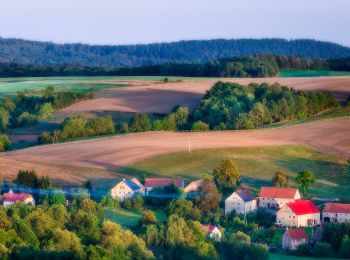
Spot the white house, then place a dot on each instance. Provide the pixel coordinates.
(292, 238)
(276, 198)
(151, 183)
(10, 198)
(336, 212)
(301, 213)
(242, 201)
(212, 232)
(127, 188)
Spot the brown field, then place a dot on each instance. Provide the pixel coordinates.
(101, 158)
(151, 97)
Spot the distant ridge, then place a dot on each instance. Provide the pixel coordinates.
(196, 51)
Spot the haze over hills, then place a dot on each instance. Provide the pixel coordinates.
(197, 51)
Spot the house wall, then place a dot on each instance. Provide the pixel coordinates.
(276, 203)
(286, 217)
(26, 201)
(336, 217)
(215, 234)
(235, 202)
(121, 191)
(288, 243)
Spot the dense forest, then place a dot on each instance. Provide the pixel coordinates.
(233, 106)
(264, 65)
(15, 51)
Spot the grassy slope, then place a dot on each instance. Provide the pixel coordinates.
(289, 257)
(130, 218)
(311, 73)
(257, 166)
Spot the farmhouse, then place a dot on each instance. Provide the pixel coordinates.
(242, 201)
(300, 213)
(292, 238)
(10, 198)
(151, 183)
(276, 198)
(192, 188)
(212, 231)
(127, 188)
(336, 212)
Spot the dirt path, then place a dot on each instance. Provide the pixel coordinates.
(111, 153)
(153, 97)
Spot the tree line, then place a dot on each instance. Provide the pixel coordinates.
(262, 65)
(25, 52)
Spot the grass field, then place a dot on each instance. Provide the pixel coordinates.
(257, 166)
(130, 218)
(312, 73)
(289, 257)
(9, 86)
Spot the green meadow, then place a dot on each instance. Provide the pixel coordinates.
(257, 166)
(312, 73)
(130, 218)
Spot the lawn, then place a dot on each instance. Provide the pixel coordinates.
(333, 113)
(9, 86)
(130, 218)
(289, 257)
(257, 166)
(312, 73)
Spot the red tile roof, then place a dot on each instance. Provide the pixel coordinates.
(13, 197)
(274, 192)
(297, 233)
(337, 208)
(161, 182)
(302, 207)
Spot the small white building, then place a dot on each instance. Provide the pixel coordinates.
(242, 201)
(276, 198)
(127, 188)
(212, 232)
(292, 238)
(301, 213)
(336, 212)
(10, 198)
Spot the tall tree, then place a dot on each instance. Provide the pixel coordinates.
(280, 180)
(305, 179)
(227, 175)
(207, 197)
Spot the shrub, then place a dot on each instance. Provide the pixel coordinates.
(200, 126)
(5, 143)
(139, 123)
(148, 218)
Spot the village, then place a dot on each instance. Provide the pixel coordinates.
(291, 212)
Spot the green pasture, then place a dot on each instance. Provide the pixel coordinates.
(130, 218)
(257, 166)
(312, 73)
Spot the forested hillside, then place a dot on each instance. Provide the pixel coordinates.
(201, 51)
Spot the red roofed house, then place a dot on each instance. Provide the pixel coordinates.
(336, 212)
(274, 197)
(212, 231)
(301, 213)
(192, 187)
(292, 238)
(151, 183)
(10, 198)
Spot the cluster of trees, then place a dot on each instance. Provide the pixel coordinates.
(335, 242)
(60, 232)
(304, 179)
(78, 127)
(234, 106)
(27, 108)
(200, 51)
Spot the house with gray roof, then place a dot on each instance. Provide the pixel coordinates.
(242, 201)
(127, 188)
